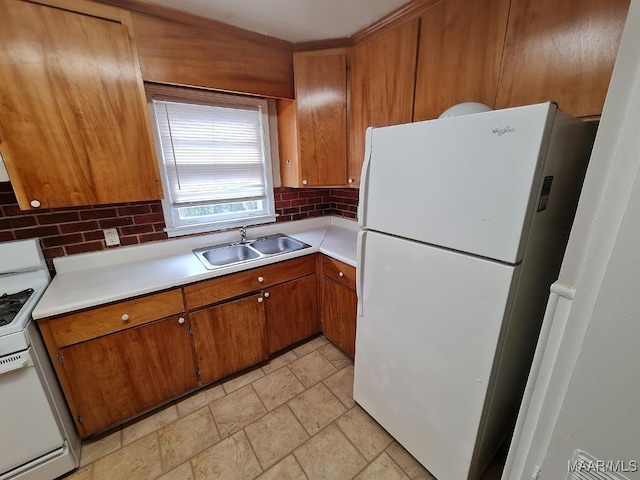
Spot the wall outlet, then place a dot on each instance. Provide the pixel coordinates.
(111, 237)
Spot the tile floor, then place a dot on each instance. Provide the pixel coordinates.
(291, 418)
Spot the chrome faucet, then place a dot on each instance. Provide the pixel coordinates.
(243, 234)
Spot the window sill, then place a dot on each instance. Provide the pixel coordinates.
(217, 226)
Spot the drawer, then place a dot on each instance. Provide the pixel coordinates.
(241, 283)
(96, 322)
(339, 271)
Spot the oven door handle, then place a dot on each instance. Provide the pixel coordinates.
(16, 361)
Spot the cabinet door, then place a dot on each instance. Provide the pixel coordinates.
(291, 312)
(321, 99)
(459, 55)
(118, 376)
(383, 72)
(229, 337)
(339, 310)
(74, 129)
(561, 51)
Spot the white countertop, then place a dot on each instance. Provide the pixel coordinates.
(90, 279)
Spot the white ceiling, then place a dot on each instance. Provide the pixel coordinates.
(292, 20)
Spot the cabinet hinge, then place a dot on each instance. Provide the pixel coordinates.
(79, 417)
(59, 357)
(190, 330)
(197, 372)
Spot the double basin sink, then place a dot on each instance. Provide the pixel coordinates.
(238, 252)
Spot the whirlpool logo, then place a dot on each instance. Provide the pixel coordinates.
(501, 131)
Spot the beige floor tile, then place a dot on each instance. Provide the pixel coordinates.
(382, 468)
(92, 450)
(139, 460)
(149, 424)
(364, 432)
(329, 456)
(410, 465)
(280, 361)
(341, 384)
(287, 469)
(236, 410)
(336, 356)
(312, 368)
(83, 473)
(277, 388)
(182, 439)
(201, 398)
(310, 346)
(236, 383)
(275, 435)
(316, 408)
(230, 459)
(183, 472)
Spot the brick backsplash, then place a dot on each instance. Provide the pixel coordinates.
(65, 231)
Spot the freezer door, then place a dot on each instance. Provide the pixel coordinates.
(425, 345)
(467, 183)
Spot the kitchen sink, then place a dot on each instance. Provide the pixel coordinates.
(218, 256)
(277, 244)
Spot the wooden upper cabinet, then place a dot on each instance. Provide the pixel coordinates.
(74, 127)
(313, 129)
(460, 51)
(561, 51)
(382, 81)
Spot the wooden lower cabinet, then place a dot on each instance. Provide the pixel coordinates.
(117, 376)
(291, 312)
(339, 305)
(229, 337)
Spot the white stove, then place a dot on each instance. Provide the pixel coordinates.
(38, 440)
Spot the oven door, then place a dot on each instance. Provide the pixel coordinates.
(29, 429)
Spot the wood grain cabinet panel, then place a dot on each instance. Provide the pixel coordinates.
(291, 312)
(313, 129)
(382, 82)
(339, 311)
(459, 56)
(339, 304)
(229, 337)
(74, 128)
(118, 376)
(561, 51)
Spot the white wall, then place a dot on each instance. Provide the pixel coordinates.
(584, 390)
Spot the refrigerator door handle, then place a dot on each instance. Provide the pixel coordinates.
(364, 179)
(362, 235)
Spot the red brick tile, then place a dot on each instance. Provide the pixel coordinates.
(12, 223)
(62, 240)
(132, 240)
(134, 210)
(11, 210)
(84, 247)
(93, 235)
(53, 252)
(150, 218)
(115, 222)
(36, 232)
(78, 227)
(137, 229)
(65, 217)
(290, 196)
(7, 235)
(98, 213)
(152, 237)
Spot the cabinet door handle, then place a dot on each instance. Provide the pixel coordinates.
(266, 294)
(35, 203)
(125, 317)
(351, 180)
(260, 299)
(181, 320)
(304, 182)
(341, 274)
(260, 279)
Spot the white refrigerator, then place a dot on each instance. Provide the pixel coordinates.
(464, 222)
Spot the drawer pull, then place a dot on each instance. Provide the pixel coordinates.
(260, 279)
(341, 274)
(260, 299)
(266, 294)
(125, 317)
(181, 320)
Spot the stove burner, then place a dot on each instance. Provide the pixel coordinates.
(10, 305)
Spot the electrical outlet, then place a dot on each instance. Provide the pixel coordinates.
(111, 237)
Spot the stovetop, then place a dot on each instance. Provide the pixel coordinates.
(11, 304)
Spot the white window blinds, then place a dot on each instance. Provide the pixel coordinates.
(211, 154)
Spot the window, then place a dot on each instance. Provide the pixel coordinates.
(214, 156)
